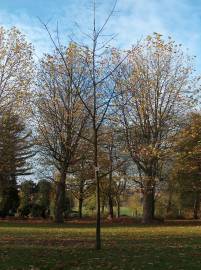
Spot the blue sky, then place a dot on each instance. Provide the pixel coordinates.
(135, 19)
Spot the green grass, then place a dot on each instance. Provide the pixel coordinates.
(32, 246)
(127, 211)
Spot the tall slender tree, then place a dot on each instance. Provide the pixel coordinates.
(97, 96)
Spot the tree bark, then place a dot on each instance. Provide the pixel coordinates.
(118, 208)
(103, 208)
(98, 215)
(169, 205)
(110, 203)
(81, 197)
(196, 205)
(80, 207)
(110, 199)
(60, 199)
(148, 205)
(97, 181)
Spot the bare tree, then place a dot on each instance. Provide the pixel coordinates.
(101, 69)
(100, 89)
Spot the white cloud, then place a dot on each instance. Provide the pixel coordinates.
(30, 27)
(135, 19)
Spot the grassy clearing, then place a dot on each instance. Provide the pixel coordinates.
(47, 246)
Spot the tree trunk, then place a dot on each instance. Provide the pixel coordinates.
(110, 199)
(153, 207)
(81, 197)
(118, 208)
(60, 199)
(196, 205)
(169, 205)
(103, 208)
(97, 181)
(80, 207)
(98, 215)
(110, 203)
(148, 205)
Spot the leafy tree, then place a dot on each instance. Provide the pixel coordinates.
(60, 116)
(152, 97)
(66, 201)
(9, 201)
(16, 69)
(27, 197)
(187, 166)
(15, 151)
(16, 73)
(44, 189)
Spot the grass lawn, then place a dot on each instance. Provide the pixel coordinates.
(71, 246)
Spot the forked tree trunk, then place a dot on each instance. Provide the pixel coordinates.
(148, 205)
(60, 199)
(196, 205)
